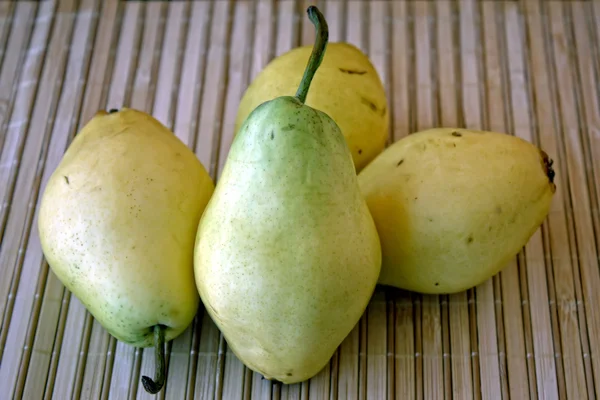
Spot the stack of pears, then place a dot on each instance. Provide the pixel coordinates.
(285, 252)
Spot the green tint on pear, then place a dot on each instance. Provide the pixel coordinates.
(287, 255)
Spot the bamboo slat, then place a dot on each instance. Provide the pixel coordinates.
(530, 68)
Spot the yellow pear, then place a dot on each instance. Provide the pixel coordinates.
(287, 255)
(453, 206)
(347, 88)
(117, 225)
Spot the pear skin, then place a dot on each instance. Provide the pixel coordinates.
(453, 206)
(117, 225)
(287, 254)
(346, 87)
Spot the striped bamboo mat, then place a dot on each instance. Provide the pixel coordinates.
(531, 68)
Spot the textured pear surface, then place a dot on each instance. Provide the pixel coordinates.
(453, 206)
(118, 221)
(346, 87)
(287, 255)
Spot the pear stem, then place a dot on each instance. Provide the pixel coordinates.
(154, 386)
(318, 51)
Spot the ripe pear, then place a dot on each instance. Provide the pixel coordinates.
(349, 90)
(287, 254)
(117, 225)
(453, 206)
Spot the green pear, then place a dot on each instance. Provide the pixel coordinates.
(287, 254)
(117, 224)
(453, 206)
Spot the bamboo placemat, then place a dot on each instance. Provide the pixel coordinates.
(529, 68)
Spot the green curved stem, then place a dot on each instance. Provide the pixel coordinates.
(154, 386)
(318, 51)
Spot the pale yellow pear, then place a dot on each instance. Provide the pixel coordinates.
(287, 254)
(453, 206)
(117, 224)
(347, 87)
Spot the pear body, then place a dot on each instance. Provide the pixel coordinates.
(287, 255)
(453, 206)
(117, 224)
(346, 86)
